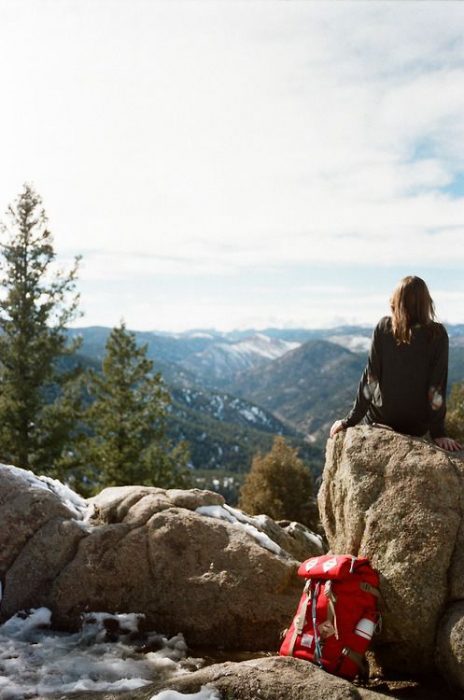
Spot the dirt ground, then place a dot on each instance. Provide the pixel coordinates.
(424, 688)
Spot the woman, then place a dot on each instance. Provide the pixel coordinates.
(404, 383)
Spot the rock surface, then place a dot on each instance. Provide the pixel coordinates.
(399, 501)
(271, 678)
(221, 578)
(450, 644)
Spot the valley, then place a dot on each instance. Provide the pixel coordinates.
(233, 392)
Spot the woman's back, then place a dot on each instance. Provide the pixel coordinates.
(404, 383)
(411, 376)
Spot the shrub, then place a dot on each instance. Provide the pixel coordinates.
(279, 485)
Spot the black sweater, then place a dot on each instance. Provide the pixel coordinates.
(404, 386)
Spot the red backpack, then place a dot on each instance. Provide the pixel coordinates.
(337, 614)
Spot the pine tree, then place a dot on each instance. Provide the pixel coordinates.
(127, 419)
(279, 485)
(36, 304)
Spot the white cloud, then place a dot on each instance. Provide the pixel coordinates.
(214, 139)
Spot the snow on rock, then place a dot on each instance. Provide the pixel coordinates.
(204, 693)
(126, 622)
(316, 540)
(284, 538)
(20, 626)
(75, 503)
(41, 525)
(247, 523)
(146, 547)
(35, 660)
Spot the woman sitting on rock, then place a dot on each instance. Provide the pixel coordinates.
(404, 383)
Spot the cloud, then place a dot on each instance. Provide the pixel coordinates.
(213, 140)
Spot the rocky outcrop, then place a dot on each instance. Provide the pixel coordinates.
(450, 645)
(271, 678)
(399, 501)
(27, 505)
(183, 558)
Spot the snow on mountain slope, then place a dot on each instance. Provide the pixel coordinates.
(225, 407)
(262, 345)
(355, 343)
(306, 388)
(222, 360)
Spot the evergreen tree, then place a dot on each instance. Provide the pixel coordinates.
(128, 444)
(36, 303)
(279, 485)
(455, 413)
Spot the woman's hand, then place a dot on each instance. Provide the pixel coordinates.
(448, 444)
(337, 427)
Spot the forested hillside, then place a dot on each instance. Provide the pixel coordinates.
(297, 394)
(307, 387)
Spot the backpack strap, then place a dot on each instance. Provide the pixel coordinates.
(300, 619)
(367, 588)
(332, 599)
(355, 657)
(364, 586)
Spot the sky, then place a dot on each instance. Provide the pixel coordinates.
(238, 164)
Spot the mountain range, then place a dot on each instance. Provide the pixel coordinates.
(307, 387)
(232, 392)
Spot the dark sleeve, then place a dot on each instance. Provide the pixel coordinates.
(437, 388)
(368, 388)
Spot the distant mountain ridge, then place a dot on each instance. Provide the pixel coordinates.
(233, 391)
(307, 387)
(224, 431)
(221, 361)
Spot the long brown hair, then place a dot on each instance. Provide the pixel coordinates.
(411, 304)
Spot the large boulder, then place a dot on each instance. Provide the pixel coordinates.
(271, 678)
(399, 501)
(183, 558)
(27, 505)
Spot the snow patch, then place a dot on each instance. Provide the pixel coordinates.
(199, 334)
(225, 358)
(204, 693)
(311, 536)
(355, 343)
(127, 622)
(37, 661)
(254, 415)
(260, 345)
(75, 503)
(239, 519)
